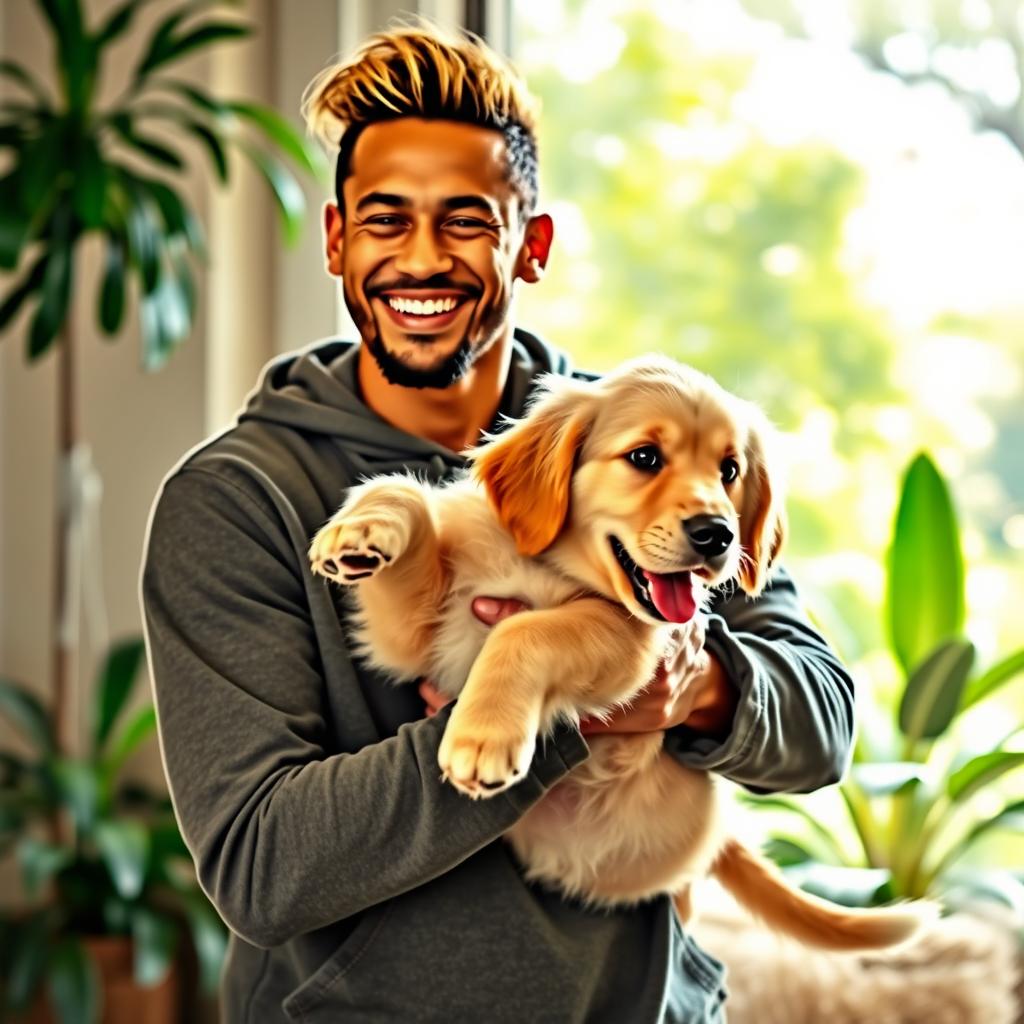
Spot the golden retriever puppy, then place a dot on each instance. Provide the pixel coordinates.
(610, 509)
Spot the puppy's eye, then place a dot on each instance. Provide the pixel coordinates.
(730, 470)
(648, 458)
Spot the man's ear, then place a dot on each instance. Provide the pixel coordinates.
(334, 230)
(536, 247)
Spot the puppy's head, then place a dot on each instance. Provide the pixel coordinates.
(648, 486)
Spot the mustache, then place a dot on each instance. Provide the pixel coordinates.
(439, 282)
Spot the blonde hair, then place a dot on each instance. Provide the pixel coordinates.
(420, 70)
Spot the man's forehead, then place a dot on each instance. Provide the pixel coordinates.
(428, 160)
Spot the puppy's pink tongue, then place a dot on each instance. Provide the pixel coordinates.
(672, 594)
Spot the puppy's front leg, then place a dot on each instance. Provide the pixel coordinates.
(384, 540)
(585, 655)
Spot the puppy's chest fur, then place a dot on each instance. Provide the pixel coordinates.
(480, 560)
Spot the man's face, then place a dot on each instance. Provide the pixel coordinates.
(431, 239)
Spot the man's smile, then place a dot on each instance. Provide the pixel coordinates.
(422, 311)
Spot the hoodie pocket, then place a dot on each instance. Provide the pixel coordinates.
(311, 994)
(697, 986)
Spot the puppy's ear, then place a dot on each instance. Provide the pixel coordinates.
(763, 516)
(527, 471)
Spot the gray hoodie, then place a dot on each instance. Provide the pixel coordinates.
(356, 885)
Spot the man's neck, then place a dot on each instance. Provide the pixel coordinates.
(453, 417)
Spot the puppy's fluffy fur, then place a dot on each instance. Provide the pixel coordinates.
(563, 513)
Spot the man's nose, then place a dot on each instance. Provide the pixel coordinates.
(422, 254)
(708, 535)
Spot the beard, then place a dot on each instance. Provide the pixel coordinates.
(448, 372)
(452, 369)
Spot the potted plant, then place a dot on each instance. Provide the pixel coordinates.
(78, 168)
(114, 891)
(909, 796)
(75, 167)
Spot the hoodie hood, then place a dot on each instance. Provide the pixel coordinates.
(316, 390)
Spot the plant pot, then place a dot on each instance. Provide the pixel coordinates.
(123, 1001)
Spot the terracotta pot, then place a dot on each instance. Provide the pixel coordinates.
(123, 1001)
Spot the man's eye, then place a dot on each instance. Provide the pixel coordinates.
(384, 220)
(730, 469)
(648, 458)
(466, 222)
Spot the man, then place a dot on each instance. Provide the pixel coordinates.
(358, 886)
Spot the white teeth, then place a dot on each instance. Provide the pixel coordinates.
(417, 308)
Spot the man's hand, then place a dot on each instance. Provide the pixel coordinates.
(688, 688)
(490, 611)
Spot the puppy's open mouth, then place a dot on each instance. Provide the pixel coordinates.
(665, 595)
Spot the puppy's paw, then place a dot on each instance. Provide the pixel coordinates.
(482, 757)
(350, 548)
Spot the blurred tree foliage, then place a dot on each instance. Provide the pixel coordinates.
(730, 264)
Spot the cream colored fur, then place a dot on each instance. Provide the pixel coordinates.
(534, 523)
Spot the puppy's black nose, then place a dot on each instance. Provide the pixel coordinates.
(708, 535)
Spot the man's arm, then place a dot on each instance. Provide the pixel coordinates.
(792, 727)
(287, 835)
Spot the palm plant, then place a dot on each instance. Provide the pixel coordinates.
(79, 169)
(908, 797)
(124, 870)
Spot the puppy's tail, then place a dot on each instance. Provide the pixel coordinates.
(758, 886)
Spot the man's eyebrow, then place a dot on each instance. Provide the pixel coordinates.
(381, 199)
(473, 201)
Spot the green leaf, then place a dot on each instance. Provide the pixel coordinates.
(124, 846)
(784, 803)
(73, 983)
(24, 710)
(197, 97)
(925, 592)
(112, 294)
(209, 938)
(40, 861)
(81, 789)
(883, 778)
(1011, 817)
(166, 47)
(90, 184)
(9, 69)
(849, 887)
(119, 21)
(55, 291)
(285, 136)
(145, 244)
(210, 139)
(125, 127)
(15, 223)
(966, 888)
(29, 961)
(990, 681)
(291, 202)
(142, 725)
(980, 771)
(114, 686)
(786, 852)
(165, 322)
(177, 217)
(44, 167)
(932, 695)
(156, 936)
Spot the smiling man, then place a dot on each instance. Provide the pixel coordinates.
(357, 884)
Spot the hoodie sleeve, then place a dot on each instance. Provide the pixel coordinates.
(287, 836)
(794, 722)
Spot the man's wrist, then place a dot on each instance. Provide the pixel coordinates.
(713, 712)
